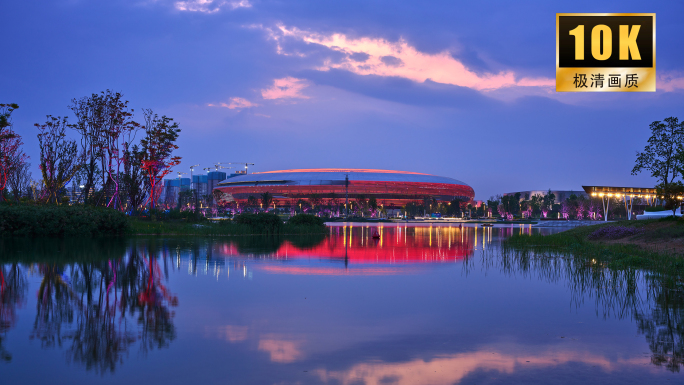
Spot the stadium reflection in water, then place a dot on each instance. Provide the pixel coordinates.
(432, 304)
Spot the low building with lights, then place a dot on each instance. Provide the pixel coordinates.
(389, 188)
(560, 195)
(628, 195)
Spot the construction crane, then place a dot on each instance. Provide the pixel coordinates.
(192, 168)
(219, 167)
(241, 163)
(179, 176)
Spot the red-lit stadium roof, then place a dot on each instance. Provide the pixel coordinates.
(343, 170)
(387, 186)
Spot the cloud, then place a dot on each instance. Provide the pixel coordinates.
(230, 333)
(235, 104)
(399, 59)
(670, 82)
(451, 369)
(285, 88)
(282, 351)
(210, 6)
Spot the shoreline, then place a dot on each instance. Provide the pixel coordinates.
(655, 245)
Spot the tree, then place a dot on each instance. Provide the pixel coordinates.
(157, 147)
(11, 155)
(663, 156)
(581, 208)
(315, 200)
(252, 201)
(98, 117)
(536, 203)
(59, 158)
(373, 205)
(501, 209)
(547, 203)
(133, 180)
(19, 179)
(511, 203)
(118, 131)
(672, 194)
(492, 203)
(266, 199)
(454, 208)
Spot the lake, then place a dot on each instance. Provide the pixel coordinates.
(421, 304)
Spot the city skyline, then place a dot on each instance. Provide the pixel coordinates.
(465, 91)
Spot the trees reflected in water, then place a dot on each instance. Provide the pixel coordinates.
(656, 303)
(96, 311)
(99, 310)
(13, 288)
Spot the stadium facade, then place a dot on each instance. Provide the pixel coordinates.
(390, 188)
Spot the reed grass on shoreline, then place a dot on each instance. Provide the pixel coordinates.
(619, 256)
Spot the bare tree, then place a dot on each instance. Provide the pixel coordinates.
(59, 159)
(107, 128)
(19, 179)
(157, 147)
(10, 146)
(90, 113)
(133, 180)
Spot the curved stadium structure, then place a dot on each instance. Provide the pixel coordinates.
(388, 187)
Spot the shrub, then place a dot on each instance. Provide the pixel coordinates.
(306, 220)
(262, 223)
(60, 221)
(614, 232)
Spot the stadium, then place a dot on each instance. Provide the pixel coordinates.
(390, 188)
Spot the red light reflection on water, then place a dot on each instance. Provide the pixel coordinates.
(395, 245)
(404, 248)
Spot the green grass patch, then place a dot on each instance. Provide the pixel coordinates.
(616, 256)
(27, 220)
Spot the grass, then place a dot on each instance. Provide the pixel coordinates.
(629, 253)
(206, 228)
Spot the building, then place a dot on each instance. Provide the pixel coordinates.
(203, 184)
(172, 189)
(560, 195)
(389, 188)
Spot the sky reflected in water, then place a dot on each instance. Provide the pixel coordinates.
(431, 304)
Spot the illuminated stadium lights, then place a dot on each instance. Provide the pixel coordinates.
(388, 187)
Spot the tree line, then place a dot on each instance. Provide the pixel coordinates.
(105, 162)
(663, 157)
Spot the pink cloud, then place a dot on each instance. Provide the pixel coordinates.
(282, 351)
(210, 6)
(385, 58)
(285, 88)
(670, 82)
(235, 104)
(451, 369)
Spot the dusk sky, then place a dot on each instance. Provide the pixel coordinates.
(458, 89)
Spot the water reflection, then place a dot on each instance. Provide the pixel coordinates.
(13, 288)
(94, 310)
(453, 368)
(656, 304)
(419, 304)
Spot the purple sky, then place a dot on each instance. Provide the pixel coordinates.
(464, 90)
